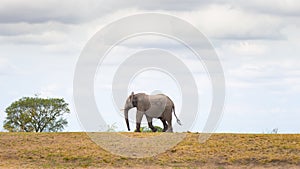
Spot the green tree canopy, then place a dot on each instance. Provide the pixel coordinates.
(34, 114)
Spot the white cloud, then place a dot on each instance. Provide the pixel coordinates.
(68, 11)
(275, 77)
(242, 48)
(45, 38)
(226, 22)
(24, 28)
(275, 7)
(36, 11)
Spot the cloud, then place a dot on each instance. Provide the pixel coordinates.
(242, 48)
(45, 38)
(225, 22)
(68, 11)
(53, 21)
(272, 7)
(23, 28)
(37, 11)
(275, 77)
(256, 64)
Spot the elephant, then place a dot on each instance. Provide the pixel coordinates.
(152, 106)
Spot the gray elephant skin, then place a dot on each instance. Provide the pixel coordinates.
(152, 106)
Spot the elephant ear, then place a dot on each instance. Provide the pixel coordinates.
(131, 97)
(134, 101)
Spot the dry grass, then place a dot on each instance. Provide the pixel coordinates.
(76, 150)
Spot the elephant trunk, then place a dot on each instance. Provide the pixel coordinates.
(126, 118)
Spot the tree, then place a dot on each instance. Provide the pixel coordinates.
(34, 114)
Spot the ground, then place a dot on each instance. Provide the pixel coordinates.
(77, 150)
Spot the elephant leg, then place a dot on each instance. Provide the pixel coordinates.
(170, 129)
(139, 117)
(149, 119)
(165, 124)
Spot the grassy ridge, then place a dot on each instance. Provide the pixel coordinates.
(71, 150)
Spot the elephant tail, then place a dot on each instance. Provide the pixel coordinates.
(178, 121)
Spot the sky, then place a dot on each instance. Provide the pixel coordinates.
(257, 42)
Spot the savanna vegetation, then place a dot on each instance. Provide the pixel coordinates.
(76, 150)
(34, 114)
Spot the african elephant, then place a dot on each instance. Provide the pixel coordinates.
(152, 106)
